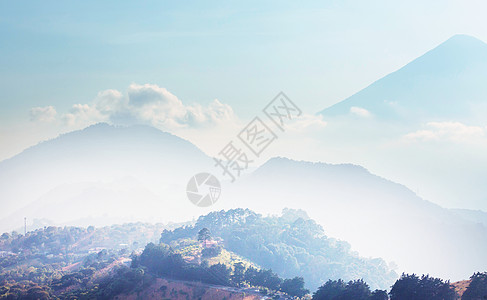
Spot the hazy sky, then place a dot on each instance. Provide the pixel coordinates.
(66, 63)
(242, 53)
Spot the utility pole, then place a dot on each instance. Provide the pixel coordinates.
(25, 226)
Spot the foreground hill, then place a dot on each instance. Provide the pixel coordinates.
(88, 263)
(197, 263)
(290, 244)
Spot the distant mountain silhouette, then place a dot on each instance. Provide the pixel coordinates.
(448, 81)
(377, 216)
(93, 159)
(105, 173)
(475, 216)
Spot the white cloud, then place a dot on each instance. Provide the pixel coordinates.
(140, 95)
(448, 131)
(208, 126)
(359, 111)
(82, 115)
(143, 104)
(43, 114)
(306, 122)
(109, 101)
(158, 107)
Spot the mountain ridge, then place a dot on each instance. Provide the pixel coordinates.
(447, 75)
(98, 153)
(377, 216)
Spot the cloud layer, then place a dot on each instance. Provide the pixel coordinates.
(448, 131)
(143, 104)
(359, 111)
(43, 114)
(208, 126)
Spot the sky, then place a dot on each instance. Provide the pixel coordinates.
(66, 65)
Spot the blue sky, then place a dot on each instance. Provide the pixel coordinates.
(61, 53)
(67, 54)
(202, 70)
(69, 64)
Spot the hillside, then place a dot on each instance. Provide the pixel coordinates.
(180, 290)
(475, 216)
(461, 286)
(378, 217)
(290, 244)
(213, 258)
(112, 263)
(105, 174)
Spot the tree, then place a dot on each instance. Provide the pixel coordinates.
(379, 295)
(268, 279)
(355, 289)
(411, 287)
(251, 275)
(330, 290)
(161, 260)
(339, 290)
(218, 274)
(294, 287)
(211, 252)
(204, 235)
(477, 288)
(5, 236)
(238, 275)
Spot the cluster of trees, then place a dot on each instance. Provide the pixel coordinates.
(268, 279)
(413, 287)
(354, 289)
(204, 236)
(407, 287)
(32, 266)
(477, 288)
(291, 245)
(82, 284)
(37, 270)
(42, 255)
(61, 240)
(24, 290)
(211, 252)
(161, 260)
(52, 240)
(44, 272)
(52, 248)
(121, 280)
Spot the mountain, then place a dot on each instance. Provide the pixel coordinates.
(291, 244)
(423, 125)
(105, 174)
(446, 82)
(475, 216)
(96, 263)
(378, 217)
(107, 170)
